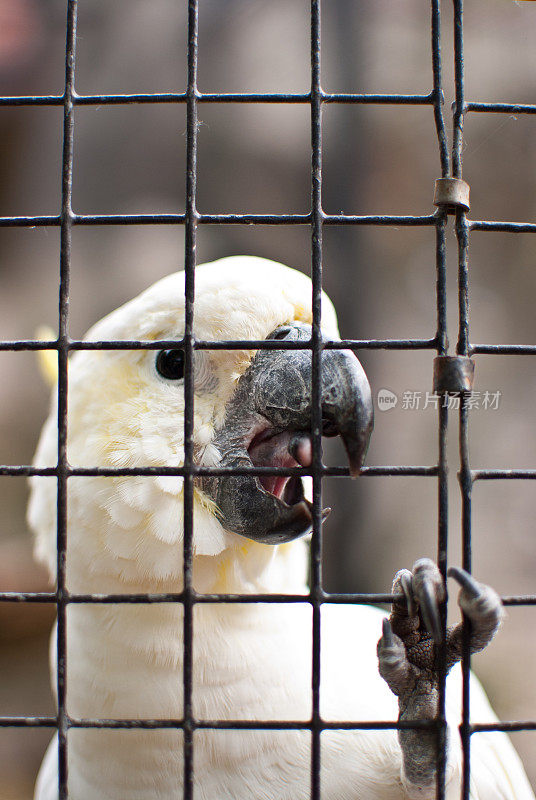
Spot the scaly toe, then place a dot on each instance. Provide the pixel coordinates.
(393, 664)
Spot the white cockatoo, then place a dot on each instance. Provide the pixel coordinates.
(250, 661)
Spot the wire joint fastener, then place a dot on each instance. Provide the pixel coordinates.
(451, 193)
(453, 375)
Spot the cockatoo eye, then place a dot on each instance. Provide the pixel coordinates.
(170, 364)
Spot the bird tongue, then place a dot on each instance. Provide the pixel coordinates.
(285, 449)
(301, 449)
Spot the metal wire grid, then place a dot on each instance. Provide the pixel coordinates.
(316, 219)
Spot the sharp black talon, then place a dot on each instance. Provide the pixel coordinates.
(466, 581)
(407, 587)
(387, 633)
(430, 611)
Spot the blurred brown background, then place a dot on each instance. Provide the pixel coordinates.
(377, 159)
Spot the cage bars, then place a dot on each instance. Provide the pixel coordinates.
(316, 392)
(190, 223)
(260, 219)
(316, 219)
(442, 345)
(462, 348)
(63, 353)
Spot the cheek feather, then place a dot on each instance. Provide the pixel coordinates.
(209, 456)
(204, 434)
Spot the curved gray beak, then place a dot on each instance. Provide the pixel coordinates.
(269, 423)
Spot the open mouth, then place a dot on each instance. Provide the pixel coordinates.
(281, 449)
(268, 422)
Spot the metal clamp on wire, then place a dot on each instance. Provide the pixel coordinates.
(453, 375)
(451, 193)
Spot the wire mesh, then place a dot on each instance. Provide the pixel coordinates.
(316, 219)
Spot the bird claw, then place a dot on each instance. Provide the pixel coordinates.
(408, 653)
(481, 604)
(423, 592)
(387, 633)
(416, 621)
(430, 613)
(430, 592)
(406, 583)
(466, 581)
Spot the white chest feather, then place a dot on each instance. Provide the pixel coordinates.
(250, 662)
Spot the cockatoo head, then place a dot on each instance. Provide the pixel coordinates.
(126, 409)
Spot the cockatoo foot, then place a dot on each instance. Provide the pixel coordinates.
(409, 654)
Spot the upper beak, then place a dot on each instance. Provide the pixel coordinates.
(275, 395)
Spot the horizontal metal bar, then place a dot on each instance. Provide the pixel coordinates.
(519, 600)
(219, 219)
(501, 108)
(260, 344)
(196, 598)
(152, 724)
(129, 219)
(32, 100)
(503, 349)
(28, 722)
(383, 344)
(30, 222)
(507, 727)
(327, 219)
(403, 220)
(252, 725)
(362, 598)
(380, 219)
(219, 97)
(366, 599)
(378, 99)
(507, 227)
(27, 344)
(341, 344)
(502, 474)
(26, 470)
(28, 597)
(219, 724)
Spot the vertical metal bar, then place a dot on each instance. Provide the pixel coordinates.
(441, 284)
(442, 552)
(442, 497)
(442, 349)
(466, 488)
(462, 235)
(189, 288)
(438, 90)
(459, 107)
(462, 348)
(316, 389)
(63, 352)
